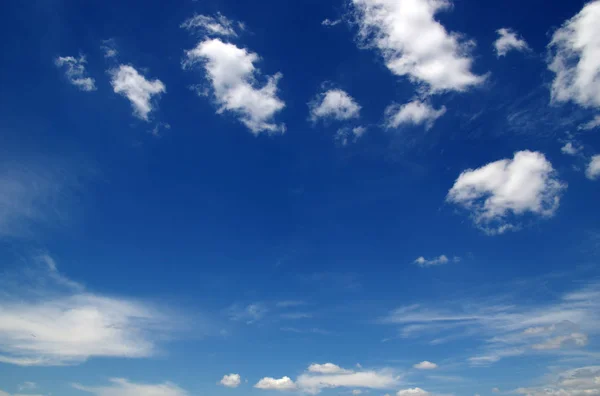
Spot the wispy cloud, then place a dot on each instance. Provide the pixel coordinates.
(75, 72)
(123, 387)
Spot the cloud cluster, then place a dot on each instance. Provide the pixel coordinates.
(575, 58)
(508, 40)
(122, 387)
(527, 183)
(232, 74)
(329, 375)
(414, 44)
(128, 82)
(334, 104)
(75, 72)
(412, 113)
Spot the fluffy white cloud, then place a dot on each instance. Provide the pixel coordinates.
(335, 104)
(412, 392)
(423, 262)
(509, 40)
(327, 368)
(314, 382)
(575, 58)
(231, 380)
(218, 25)
(415, 113)
(75, 72)
(49, 326)
(232, 73)
(593, 169)
(122, 387)
(570, 149)
(280, 384)
(126, 81)
(526, 183)
(425, 365)
(583, 381)
(414, 44)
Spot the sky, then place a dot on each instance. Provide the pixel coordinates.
(316, 197)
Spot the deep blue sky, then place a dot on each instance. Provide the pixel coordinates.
(216, 229)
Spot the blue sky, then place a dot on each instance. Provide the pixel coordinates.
(365, 197)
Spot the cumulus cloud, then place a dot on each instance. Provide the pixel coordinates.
(231, 380)
(525, 184)
(508, 40)
(126, 81)
(327, 368)
(575, 58)
(570, 149)
(412, 113)
(58, 323)
(218, 25)
(414, 44)
(280, 384)
(423, 262)
(75, 72)
(575, 382)
(593, 169)
(412, 392)
(334, 104)
(122, 387)
(232, 73)
(425, 365)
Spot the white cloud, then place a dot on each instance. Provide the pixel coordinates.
(412, 392)
(344, 136)
(425, 365)
(412, 113)
(122, 387)
(249, 314)
(593, 169)
(108, 46)
(329, 22)
(356, 392)
(128, 82)
(422, 262)
(335, 104)
(577, 339)
(591, 124)
(525, 184)
(327, 368)
(581, 381)
(75, 72)
(575, 58)
(49, 326)
(218, 25)
(314, 382)
(509, 40)
(570, 149)
(231, 380)
(281, 384)
(27, 385)
(414, 44)
(232, 73)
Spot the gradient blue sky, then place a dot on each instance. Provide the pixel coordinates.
(382, 197)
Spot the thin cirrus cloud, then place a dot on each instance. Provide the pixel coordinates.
(123, 387)
(37, 326)
(325, 376)
(412, 113)
(75, 72)
(527, 183)
(218, 25)
(574, 382)
(508, 40)
(414, 44)
(334, 104)
(232, 74)
(561, 326)
(128, 82)
(231, 380)
(575, 58)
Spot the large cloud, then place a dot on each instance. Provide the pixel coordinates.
(525, 184)
(122, 387)
(575, 58)
(414, 44)
(128, 82)
(232, 74)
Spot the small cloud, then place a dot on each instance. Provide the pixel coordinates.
(570, 149)
(327, 368)
(334, 104)
(412, 113)
(27, 386)
(590, 124)
(75, 72)
(356, 392)
(344, 136)
(218, 25)
(509, 40)
(425, 365)
(249, 314)
(128, 82)
(593, 169)
(412, 392)
(122, 387)
(281, 384)
(329, 22)
(109, 48)
(441, 260)
(231, 380)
